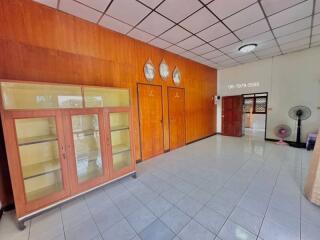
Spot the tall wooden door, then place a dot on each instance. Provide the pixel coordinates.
(232, 116)
(151, 120)
(177, 124)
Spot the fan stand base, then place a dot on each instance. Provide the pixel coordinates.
(281, 142)
(298, 145)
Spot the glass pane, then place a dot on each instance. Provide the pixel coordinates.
(261, 104)
(120, 140)
(39, 156)
(106, 97)
(86, 137)
(39, 96)
(248, 105)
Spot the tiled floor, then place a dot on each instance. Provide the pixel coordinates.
(218, 188)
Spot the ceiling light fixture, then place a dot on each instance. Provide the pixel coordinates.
(248, 47)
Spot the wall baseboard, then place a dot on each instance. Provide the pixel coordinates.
(211, 135)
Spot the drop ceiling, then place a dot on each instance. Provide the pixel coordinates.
(208, 32)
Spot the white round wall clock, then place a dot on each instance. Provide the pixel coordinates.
(164, 70)
(149, 71)
(176, 75)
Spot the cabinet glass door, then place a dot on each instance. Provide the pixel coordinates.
(120, 140)
(86, 139)
(39, 156)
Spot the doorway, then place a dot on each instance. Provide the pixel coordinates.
(151, 120)
(255, 114)
(177, 123)
(232, 117)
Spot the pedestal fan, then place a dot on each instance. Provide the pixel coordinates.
(299, 113)
(282, 131)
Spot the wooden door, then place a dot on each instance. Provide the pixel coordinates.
(232, 116)
(151, 120)
(120, 141)
(86, 148)
(38, 167)
(177, 124)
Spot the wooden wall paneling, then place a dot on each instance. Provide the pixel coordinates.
(65, 49)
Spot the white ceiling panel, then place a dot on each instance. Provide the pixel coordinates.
(268, 52)
(294, 36)
(247, 57)
(213, 32)
(175, 34)
(274, 6)
(100, 5)
(221, 59)
(267, 45)
(140, 35)
(292, 14)
(50, 3)
(317, 8)
(267, 36)
(315, 38)
(205, 48)
(178, 9)
(190, 43)
(128, 11)
(295, 44)
(223, 8)
(176, 49)
(188, 54)
(316, 19)
(316, 30)
(114, 24)
(224, 41)
(295, 49)
(245, 17)
(199, 21)
(293, 27)
(253, 29)
(151, 3)
(213, 54)
(157, 42)
(79, 10)
(231, 48)
(155, 24)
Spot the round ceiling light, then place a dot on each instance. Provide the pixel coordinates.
(248, 47)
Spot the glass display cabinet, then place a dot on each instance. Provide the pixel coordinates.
(63, 140)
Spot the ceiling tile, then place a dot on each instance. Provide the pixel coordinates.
(245, 17)
(199, 21)
(266, 45)
(316, 19)
(176, 34)
(50, 3)
(300, 11)
(213, 32)
(140, 35)
(212, 54)
(253, 29)
(205, 48)
(128, 11)
(187, 54)
(317, 8)
(268, 52)
(151, 3)
(267, 36)
(274, 6)
(224, 41)
(232, 48)
(294, 36)
(114, 24)
(79, 10)
(175, 49)
(315, 39)
(190, 43)
(295, 44)
(100, 5)
(297, 48)
(178, 9)
(293, 27)
(155, 24)
(223, 8)
(160, 43)
(316, 30)
(247, 57)
(221, 58)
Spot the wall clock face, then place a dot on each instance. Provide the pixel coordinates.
(164, 70)
(149, 71)
(176, 76)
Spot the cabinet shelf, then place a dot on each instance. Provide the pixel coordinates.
(45, 191)
(119, 128)
(119, 148)
(36, 140)
(90, 156)
(39, 169)
(87, 132)
(89, 172)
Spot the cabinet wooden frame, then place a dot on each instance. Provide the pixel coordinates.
(76, 186)
(131, 167)
(24, 207)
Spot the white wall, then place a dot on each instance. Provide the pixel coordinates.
(290, 80)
